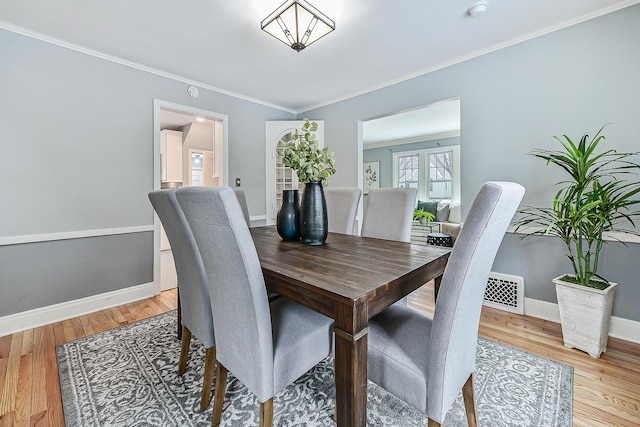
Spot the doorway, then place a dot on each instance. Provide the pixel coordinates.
(418, 147)
(190, 148)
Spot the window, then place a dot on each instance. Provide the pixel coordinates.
(408, 171)
(440, 181)
(435, 172)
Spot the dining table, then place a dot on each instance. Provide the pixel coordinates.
(349, 279)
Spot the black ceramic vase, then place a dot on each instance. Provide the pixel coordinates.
(288, 218)
(313, 215)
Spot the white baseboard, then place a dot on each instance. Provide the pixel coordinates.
(624, 329)
(55, 313)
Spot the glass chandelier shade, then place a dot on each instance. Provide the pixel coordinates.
(298, 24)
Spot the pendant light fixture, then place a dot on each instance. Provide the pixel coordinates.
(298, 24)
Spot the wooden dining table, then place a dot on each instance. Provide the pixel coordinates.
(349, 279)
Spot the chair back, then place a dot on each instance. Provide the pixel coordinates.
(388, 213)
(242, 199)
(192, 279)
(236, 285)
(342, 208)
(452, 348)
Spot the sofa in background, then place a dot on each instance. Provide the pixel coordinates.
(447, 218)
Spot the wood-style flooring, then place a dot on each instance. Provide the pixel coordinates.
(606, 390)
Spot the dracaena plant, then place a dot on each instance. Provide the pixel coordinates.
(302, 154)
(594, 200)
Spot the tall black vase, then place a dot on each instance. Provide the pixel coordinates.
(313, 215)
(288, 218)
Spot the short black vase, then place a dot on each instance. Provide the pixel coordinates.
(313, 215)
(288, 218)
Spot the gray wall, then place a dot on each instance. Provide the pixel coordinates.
(77, 154)
(384, 155)
(77, 148)
(571, 81)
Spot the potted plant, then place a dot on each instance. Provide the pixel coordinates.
(423, 216)
(314, 166)
(594, 200)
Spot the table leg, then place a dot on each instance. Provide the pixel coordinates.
(351, 367)
(436, 287)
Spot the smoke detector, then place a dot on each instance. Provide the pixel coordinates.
(477, 8)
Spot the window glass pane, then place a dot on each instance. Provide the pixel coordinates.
(439, 191)
(408, 173)
(439, 177)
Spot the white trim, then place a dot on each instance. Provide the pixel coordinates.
(66, 310)
(46, 38)
(423, 166)
(612, 237)
(35, 238)
(62, 43)
(624, 329)
(257, 217)
(411, 140)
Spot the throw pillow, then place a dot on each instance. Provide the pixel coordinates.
(442, 214)
(428, 206)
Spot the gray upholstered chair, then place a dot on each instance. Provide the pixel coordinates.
(265, 346)
(193, 289)
(424, 361)
(342, 208)
(388, 213)
(242, 199)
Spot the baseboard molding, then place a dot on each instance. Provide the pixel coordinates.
(55, 313)
(624, 329)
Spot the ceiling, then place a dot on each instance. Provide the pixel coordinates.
(174, 120)
(433, 121)
(218, 44)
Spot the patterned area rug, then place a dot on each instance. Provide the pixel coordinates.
(128, 377)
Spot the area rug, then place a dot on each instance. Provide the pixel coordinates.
(128, 377)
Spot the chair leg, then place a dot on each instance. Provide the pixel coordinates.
(184, 350)
(470, 402)
(432, 423)
(266, 413)
(207, 382)
(179, 316)
(218, 397)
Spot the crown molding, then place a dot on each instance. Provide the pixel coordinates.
(72, 46)
(478, 53)
(411, 140)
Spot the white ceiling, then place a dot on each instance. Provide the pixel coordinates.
(174, 120)
(218, 44)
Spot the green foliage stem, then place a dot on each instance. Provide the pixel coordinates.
(302, 154)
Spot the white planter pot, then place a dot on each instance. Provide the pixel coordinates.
(585, 314)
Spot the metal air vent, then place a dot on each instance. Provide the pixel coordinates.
(505, 292)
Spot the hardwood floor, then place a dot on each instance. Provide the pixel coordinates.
(606, 390)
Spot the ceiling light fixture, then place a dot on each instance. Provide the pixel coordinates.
(298, 24)
(477, 8)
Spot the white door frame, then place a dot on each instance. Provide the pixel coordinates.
(222, 145)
